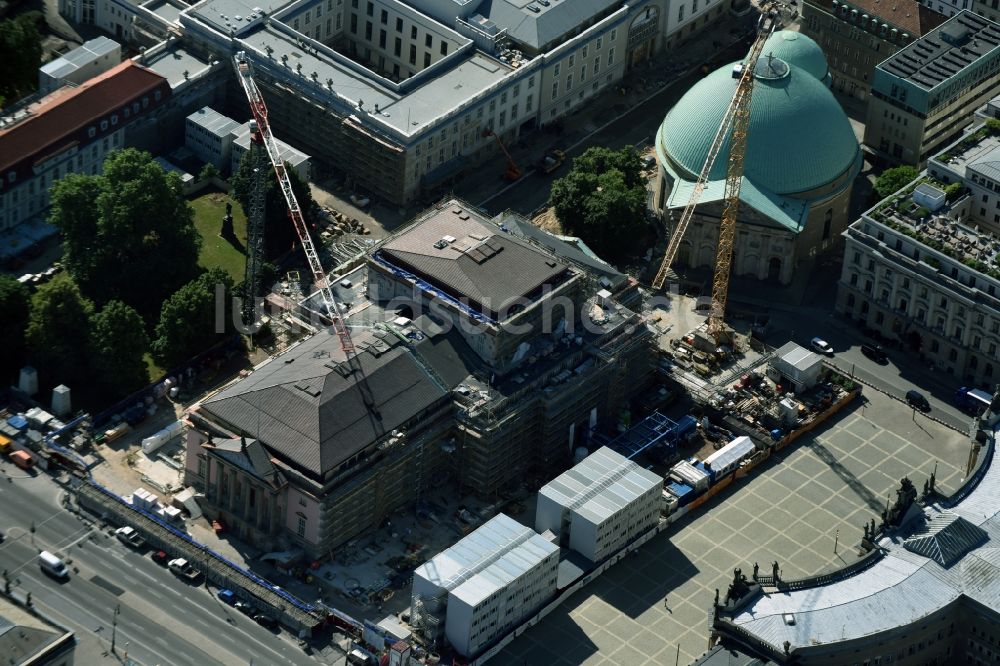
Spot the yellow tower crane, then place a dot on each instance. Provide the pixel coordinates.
(737, 117)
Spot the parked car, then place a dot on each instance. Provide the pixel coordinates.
(244, 607)
(917, 400)
(227, 596)
(265, 621)
(128, 536)
(183, 569)
(822, 346)
(875, 353)
(161, 557)
(360, 200)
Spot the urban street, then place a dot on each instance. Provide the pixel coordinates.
(161, 620)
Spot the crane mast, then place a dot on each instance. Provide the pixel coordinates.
(737, 118)
(244, 74)
(255, 225)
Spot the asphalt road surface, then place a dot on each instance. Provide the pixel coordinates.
(903, 372)
(162, 620)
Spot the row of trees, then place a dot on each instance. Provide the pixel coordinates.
(132, 284)
(20, 56)
(71, 340)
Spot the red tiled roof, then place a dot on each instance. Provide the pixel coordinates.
(59, 118)
(907, 16)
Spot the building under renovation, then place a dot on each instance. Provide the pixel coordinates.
(486, 354)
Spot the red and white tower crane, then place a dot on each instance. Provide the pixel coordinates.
(244, 74)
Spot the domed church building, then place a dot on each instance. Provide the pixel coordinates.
(801, 161)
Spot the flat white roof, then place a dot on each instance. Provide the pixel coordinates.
(798, 357)
(287, 153)
(498, 552)
(213, 121)
(89, 51)
(735, 450)
(602, 484)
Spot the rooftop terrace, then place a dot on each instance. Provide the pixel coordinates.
(976, 248)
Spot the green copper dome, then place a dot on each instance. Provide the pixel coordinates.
(799, 50)
(799, 137)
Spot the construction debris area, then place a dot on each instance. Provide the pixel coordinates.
(741, 387)
(370, 577)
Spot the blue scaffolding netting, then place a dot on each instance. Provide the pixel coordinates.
(654, 430)
(431, 290)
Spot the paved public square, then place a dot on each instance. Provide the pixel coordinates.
(790, 510)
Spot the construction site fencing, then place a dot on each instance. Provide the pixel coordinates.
(218, 569)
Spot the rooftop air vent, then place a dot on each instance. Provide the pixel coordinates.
(441, 244)
(451, 239)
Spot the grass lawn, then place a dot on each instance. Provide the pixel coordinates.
(216, 252)
(154, 371)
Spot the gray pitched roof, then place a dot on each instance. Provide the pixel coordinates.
(946, 538)
(562, 248)
(249, 455)
(548, 24)
(305, 407)
(490, 268)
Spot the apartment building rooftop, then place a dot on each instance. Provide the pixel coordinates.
(403, 107)
(976, 247)
(908, 16)
(537, 23)
(945, 51)
(175, 63)
(56, 122)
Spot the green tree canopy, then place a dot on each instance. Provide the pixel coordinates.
(188, 319)
(57, 333)
(128, 234)
(118, 343)
(894, 179)
(20, 56)
(603, 201)
(279, 233)
(15, 302)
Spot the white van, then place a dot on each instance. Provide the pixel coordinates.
(52, 565)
